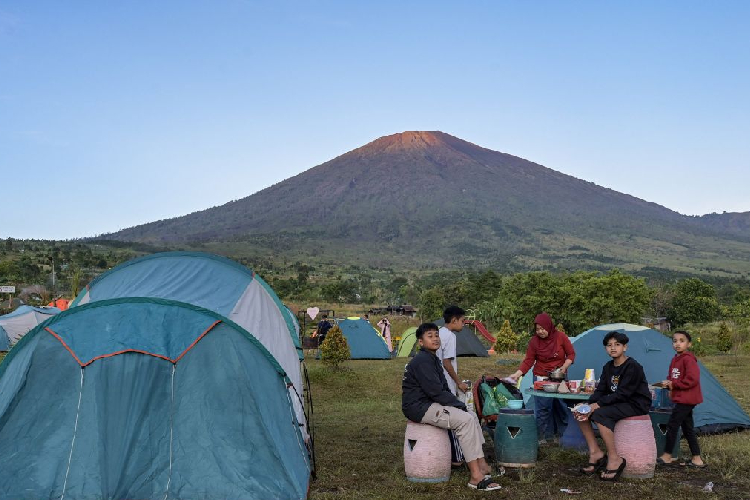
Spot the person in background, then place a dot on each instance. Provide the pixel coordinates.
(454, 318)
(684, 382)
(323, 326)
(425, 398)
(385, 331)
(622, 392)
(549, 349)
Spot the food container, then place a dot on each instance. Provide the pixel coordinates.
(582, 408)
(574, 386)
(539, 385)
(550, 387)
(515, 404)
(557, 375)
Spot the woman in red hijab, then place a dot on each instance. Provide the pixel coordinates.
(548, 350)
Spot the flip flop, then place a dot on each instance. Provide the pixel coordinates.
(617, 473)
(484, 485)
(597, 466)
(694, 466)
(662, 463)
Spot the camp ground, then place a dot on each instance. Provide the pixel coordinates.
(217, 284)
(653, 350)
(15, 325)
(364, 341)
(147, 398)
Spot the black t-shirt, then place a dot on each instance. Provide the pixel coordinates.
(323, 328)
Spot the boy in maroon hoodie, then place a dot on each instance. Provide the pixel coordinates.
(684, 383)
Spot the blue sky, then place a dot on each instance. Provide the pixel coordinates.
(114, 114)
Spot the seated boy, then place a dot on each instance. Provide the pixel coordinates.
(622, 392)
(426, 399)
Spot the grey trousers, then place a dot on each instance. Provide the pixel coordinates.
(465, 425)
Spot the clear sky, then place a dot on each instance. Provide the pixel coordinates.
(114, 114)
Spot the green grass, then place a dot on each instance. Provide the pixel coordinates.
(359, 431)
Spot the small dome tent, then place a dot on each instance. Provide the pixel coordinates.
(147, 398)
(15, 325)
(719, 411)
(364, 341)
(467, 342)
(217, 284)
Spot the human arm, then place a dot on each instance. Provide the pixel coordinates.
(691, 377)
(452, 374)
(570, 353)
(528, 361)
(431, 383)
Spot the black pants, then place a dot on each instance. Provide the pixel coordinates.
(682, 416)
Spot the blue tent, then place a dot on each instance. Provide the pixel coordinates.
(364, 341)
(15, 325)
(146, 398)
(653, 350)
(217, 284)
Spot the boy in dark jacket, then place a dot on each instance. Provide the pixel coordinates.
(426, 399)
(622, 392)
(684, 382)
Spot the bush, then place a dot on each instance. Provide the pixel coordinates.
(506, 340)
(335, 348)
(724, 338)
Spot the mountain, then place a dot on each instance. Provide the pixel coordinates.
(431, 199)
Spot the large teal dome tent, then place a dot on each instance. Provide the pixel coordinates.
(653, 350)
(15, 325)
(217, 284)
(146, 398)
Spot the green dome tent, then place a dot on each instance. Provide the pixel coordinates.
(467, 343)
(653, 350)
(147, 398)
(407, 342)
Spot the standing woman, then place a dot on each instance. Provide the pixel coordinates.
(385, 331)
(548, 350)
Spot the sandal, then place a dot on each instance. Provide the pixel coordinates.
(597, 466)
(662, 463)
(617, 472)
(693, 465)
(485, 485)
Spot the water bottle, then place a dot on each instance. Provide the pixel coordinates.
(469, 402)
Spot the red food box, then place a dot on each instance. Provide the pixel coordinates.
(538, 386)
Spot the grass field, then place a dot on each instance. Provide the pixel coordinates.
(359, 430)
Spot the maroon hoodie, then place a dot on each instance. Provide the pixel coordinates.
(685, 375)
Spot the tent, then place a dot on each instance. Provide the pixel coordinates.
(467, 343)
(147, 398)
(217, 284)
(407, 342)
(653, 350)
(364, 341)
(15, 325)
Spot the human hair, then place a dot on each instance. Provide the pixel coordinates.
(686, 334)
(618, 336)
(324, 316)
(452, 312)
(426, 327)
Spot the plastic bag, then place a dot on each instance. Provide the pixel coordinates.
(493, 400)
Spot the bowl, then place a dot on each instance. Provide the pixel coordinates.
(515, 404)
(550, 387)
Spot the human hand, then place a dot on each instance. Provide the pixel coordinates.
(667, 384)
(463, 387)
(594, 407)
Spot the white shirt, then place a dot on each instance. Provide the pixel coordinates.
(448, 351)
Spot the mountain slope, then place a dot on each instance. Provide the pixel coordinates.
(434, 199)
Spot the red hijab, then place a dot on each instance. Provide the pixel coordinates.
(546, 347)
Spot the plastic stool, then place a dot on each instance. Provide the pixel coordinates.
(427, 453)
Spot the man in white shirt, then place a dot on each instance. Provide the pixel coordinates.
(454, 318)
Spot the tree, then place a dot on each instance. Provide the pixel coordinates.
(694, 302)
(724, 338)
(431, 304)
(506, 340)
(335, 348)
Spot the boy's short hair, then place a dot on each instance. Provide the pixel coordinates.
(324, 316)
(426, 327)
(686, 334)
(452, 312)
(618, 336)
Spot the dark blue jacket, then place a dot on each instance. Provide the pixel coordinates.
(424, 384)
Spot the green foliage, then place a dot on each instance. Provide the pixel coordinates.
(432, 303)
(694, 302)
(335, 348)
(724, 338)
(506, 340)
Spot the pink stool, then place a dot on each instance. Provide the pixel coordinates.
(634, 441)
(427, 453)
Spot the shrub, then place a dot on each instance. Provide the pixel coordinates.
(724, 338)
(506, 340)
(335, 348)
